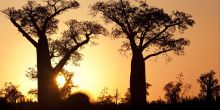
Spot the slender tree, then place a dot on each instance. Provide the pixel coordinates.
(37, 23)
(147, 32)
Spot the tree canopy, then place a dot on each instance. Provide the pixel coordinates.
(145, 26)
(34, 21)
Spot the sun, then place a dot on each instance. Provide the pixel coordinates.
(60, 80)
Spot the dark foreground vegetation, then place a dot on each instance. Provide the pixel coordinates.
(82, 104)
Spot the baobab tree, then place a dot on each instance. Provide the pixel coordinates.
(37, 23)
(148, 32)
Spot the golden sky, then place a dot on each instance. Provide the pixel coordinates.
(103, 66)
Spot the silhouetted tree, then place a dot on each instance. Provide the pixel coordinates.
(11, 93)
(172, 92)
(37, 23)
(33, 92)
(105, 98)
(209, 86)
(147, 32)
(116, 96)
(175, 91)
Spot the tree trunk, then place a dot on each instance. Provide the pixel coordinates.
(209, 96)
(48, 96)
(137, 80)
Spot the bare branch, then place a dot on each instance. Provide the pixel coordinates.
(152, 39)
(120, 24)
(34, 21)
(31, 40)
(57, 12)
(66, 57)
(126, 18)
(156, 54)
(142, 36)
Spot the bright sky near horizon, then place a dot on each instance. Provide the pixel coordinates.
(103, 66)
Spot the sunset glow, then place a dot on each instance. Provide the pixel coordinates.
(103, 66)
(60, 80)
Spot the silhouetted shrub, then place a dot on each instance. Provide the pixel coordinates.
(3, 103)
(78, 101)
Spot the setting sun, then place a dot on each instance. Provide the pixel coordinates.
(60, 80)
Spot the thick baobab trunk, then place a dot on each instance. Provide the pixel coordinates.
(48, 96)
(137, 80)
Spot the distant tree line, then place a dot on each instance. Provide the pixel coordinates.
(175, 92)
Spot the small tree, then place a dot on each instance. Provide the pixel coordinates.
(116, 96)
(172, 92)
(175, 91)
(11, 93)
(33, 93)
(105, 98)
(209, 86)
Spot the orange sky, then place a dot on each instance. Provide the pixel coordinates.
(103, 66)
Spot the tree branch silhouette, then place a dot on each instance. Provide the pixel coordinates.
(144, 28)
